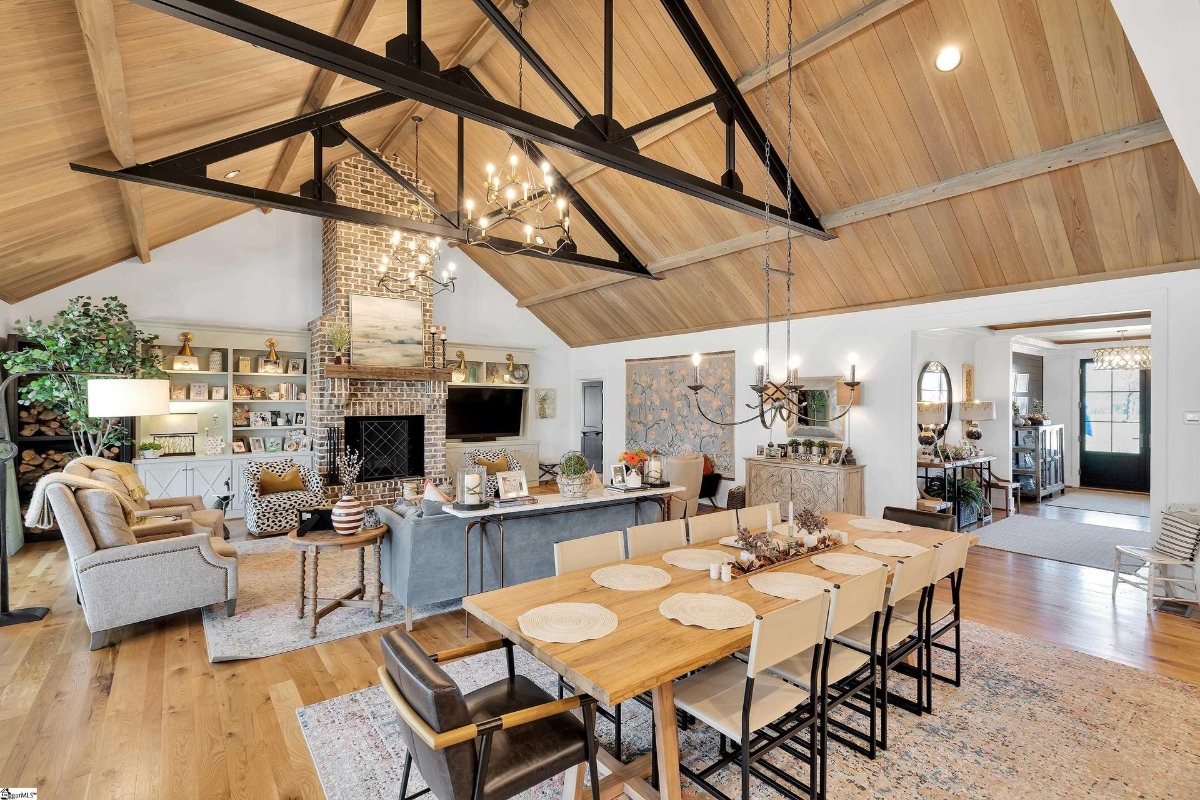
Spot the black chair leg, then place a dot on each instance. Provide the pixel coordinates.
(589, 723)
(617, 730)
(405, 773)
(874, 715)
(883, 700)
(957, 653)
(745, 768)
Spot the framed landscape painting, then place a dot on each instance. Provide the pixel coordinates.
(386, 332)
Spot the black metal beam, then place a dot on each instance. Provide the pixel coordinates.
(577, 259)
(391, 172)
(279, 35)
(723, 82)
(667, 116)
(229, 147)
(539, 65)
(581, 206)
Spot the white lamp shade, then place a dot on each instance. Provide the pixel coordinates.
(931, 413)
(128, 397)
(977, 410)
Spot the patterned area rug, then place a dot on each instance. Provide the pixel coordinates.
(1031, 720)
(266, 623)
(1072, 542)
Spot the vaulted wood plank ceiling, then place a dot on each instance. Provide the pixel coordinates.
(872, 118)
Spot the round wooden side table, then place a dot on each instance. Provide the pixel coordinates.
(310, 546)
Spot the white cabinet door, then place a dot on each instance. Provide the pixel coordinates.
(166, 479)
(207, 479)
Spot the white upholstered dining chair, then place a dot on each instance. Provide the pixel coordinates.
(707, 527)
(590, 551)
(755, 517)
(657, 536)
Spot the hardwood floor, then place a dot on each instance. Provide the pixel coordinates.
(151, 717)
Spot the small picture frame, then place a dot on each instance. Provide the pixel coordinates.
(199, 391)
(218, 393)
(270, 366)
(511, 484)
(256, 444)
(243, 391)
(179, 392)
(259, 392)
(274, 444)
(239, 445)
(244, 364)
(276, 418)
(260, 419)
(616, 474)
(761, 451)
(295, 366)
(300, 419)
(835, 454)
(305, 444)
(291, 446)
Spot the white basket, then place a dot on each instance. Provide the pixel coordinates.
(574, 485)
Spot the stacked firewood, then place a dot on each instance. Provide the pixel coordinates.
(37, 420)
(33, 465)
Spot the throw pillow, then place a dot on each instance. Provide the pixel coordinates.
(432, 508)
(105, 518)
(406, 510)
(432, 492)
(708, 466)
(493, 465)
(270, 483)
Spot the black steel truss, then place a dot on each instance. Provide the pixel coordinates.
(723, 82)
(279, 35)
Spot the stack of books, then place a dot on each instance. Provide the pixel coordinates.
(515, 501)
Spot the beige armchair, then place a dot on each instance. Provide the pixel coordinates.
(205, 520)
(122, 578)
(686, 471)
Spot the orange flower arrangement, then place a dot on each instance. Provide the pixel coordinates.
(633, 458)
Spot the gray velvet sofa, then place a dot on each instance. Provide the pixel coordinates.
(423, 556)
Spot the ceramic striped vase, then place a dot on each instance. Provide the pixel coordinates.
(348, 515)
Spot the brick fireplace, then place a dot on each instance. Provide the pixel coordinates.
(351, 255)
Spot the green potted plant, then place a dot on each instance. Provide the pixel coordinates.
(574, 475)
(822, 448)
(969, 493)
(793, 447)
(339, 340)
(150, 449)
(807, 444)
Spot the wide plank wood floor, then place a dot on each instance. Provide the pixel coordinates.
(151, 718)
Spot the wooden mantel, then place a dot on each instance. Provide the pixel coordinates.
(357, 373)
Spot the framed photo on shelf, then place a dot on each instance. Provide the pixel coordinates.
(243, 390)
(256, 444)
(835, 454)
(244, 364)
(199, 391)
(218, 393)
(761, 451)
(295, 366)
(274, 444)
(272, 366)
(276, 418)
(511, 484)
(239, 445)
(300, 419)
(260, 419)
(291, 446)
(259, 392)
(616, 474)
(179, 392)
(305, 444)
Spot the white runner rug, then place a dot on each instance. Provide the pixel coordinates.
(1136, 505)
(1072, 542)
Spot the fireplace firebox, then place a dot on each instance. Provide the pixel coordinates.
(391, 446)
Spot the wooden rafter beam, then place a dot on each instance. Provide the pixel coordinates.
(819, 42)
(100, 36)
(1109, 144)
(322, 87)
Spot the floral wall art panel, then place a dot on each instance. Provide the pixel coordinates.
(660, 411)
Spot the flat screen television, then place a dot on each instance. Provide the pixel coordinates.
(479, 413)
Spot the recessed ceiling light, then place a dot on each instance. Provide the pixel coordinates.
(233, 173)
(948, 59)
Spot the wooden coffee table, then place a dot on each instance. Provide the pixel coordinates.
(311, 545)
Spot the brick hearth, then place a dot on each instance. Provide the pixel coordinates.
(351, 255)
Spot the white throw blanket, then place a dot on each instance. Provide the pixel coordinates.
(39, 514)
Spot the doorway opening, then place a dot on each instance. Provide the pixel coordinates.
(591, 425)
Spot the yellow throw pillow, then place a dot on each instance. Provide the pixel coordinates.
(270, 483)
(492, 467)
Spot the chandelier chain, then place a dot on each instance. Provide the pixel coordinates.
(767, 165)
(788, 163)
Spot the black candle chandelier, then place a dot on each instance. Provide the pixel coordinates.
(778, 398)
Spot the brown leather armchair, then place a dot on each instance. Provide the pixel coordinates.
(525, 735)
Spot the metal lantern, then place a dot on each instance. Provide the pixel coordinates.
(471, 489)
(655, 468)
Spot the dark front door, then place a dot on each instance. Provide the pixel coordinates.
(1114, 441)
(591, 430)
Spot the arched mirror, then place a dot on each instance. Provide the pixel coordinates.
(933, 386)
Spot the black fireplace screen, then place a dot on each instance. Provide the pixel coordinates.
(391, 447)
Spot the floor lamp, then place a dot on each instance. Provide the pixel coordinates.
(118, 397)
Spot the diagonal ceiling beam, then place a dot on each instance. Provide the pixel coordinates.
(100, 35)
(1134, 137)
(295, 41)
(322, 87)
(819, 42)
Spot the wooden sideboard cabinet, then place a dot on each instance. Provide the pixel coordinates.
(807, 485)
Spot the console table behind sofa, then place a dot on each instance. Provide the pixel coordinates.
(424, 559)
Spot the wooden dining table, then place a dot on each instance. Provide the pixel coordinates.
(648, 651)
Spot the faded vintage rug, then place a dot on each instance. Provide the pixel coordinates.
(1058, 540)
(1031, 721)
(266, 623)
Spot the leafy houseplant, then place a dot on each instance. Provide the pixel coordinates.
(150, 449)
(339, 340)
(88, 337)
(574, 474)
(807, 444)
(793, 447)
(822, 448)
(969, 492)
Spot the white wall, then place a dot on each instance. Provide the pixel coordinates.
(482, 312)
(255, 271)
(886, 341)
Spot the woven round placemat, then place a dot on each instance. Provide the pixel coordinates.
(880, 525)
(846, 563)
(716, 612)
(789, 585)
(889, 547)
(631, 577)
(696, 559)
(567, 623)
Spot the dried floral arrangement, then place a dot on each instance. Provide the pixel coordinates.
(761, 550)
(349, 464)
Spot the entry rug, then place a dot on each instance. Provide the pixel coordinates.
(1072, 542)
(1032, 721)
(266, 623)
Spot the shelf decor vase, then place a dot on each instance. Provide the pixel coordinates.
(633, 479)
(348, 515)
